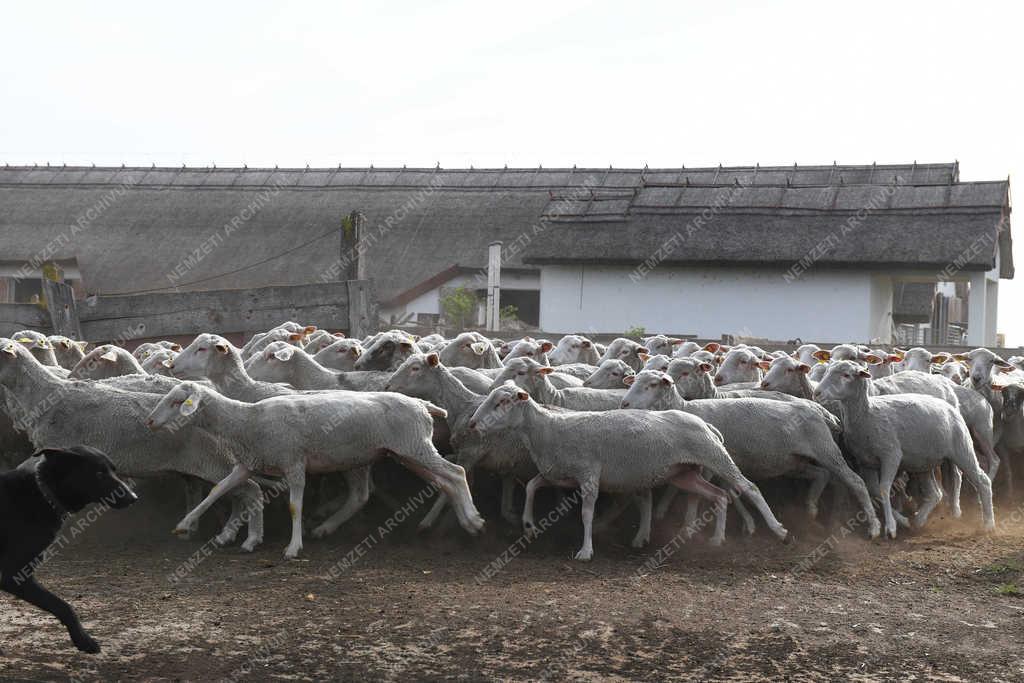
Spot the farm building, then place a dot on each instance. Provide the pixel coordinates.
(825, 253)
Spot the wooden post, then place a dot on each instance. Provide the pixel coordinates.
(493, 318)
(359, 320)
(59, 299)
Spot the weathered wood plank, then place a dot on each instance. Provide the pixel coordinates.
(224, 311)
(60, 303)
(15, 317)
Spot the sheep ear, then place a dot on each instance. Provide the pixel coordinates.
(998, 387)
(1006, 368)
(167, 363)
(667, 381)
(586, 344)
(764, 364)
(9, 348)
(284, 353)
(941, 358)
(713, 347)
(296, 336)
(864, 373)
(705, 366)
(175, 347)
(999, 362)
(190, 405)
(893, 358)
(66, 343)
(433, 359)
(522, 396)
(675, 342)
(479, 347)
(83, 344)
(872, 359)
(546, 346)
(406, 345)
(822, 355)
(644, 357)
(109, 356)
(643, 349)
(961, 356)
(339, 335)
(804, 368)
(223, 348)
(309, 329)
(628, 380)
(545, 371)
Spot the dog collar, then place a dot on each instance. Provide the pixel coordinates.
(51, 498)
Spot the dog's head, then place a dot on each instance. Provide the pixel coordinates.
(80, 475)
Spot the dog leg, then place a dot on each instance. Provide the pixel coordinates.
(29, 590)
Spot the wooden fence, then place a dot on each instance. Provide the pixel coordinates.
(345, 306)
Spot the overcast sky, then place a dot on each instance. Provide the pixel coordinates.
(552, 83)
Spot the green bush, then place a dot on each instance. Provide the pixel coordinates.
(459, 306)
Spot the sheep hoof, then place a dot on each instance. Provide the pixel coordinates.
(530, 531)
(221, 540)
(181, 532)
(585, 555)
(788, 538)
(321, 531)
(875, 530)
(291, 553)
(716, 541)
(640, 542)
(250, 544)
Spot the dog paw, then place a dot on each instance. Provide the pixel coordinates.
(85, 643)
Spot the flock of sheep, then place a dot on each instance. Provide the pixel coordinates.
(626, 419)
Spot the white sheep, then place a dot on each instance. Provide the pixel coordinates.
(915, 433)
(597, 452)
(325, 432)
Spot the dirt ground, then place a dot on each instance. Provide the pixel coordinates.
(940, 604)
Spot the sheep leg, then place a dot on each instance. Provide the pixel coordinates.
(956, 482)
(749, 489)
(665, 502)
(228, 534)
(529, 528)
(870, 477)
(692, 481)
(690, 519)
(968, 464)
(931, 496)
(237, 476)
(252, 493)
(887, 473)
(435, 511)
(983, 448)
(296, 478)
(643, 534)
(837, 468)
(589, 490)
(508, 497)
(193, 496)
(450, 478)
(358, 482)
(749, 526)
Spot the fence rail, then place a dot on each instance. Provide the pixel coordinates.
(345, 306)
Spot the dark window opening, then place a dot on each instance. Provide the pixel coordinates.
(527, 303)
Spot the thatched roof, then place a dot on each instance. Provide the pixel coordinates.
(909, 227)
(135, 226)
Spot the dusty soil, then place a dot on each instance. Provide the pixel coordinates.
(940, 604)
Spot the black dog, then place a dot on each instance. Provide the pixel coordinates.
(35, 499)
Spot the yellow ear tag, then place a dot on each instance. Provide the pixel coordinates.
(25, 340)
(822, 360)
(188, 401)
